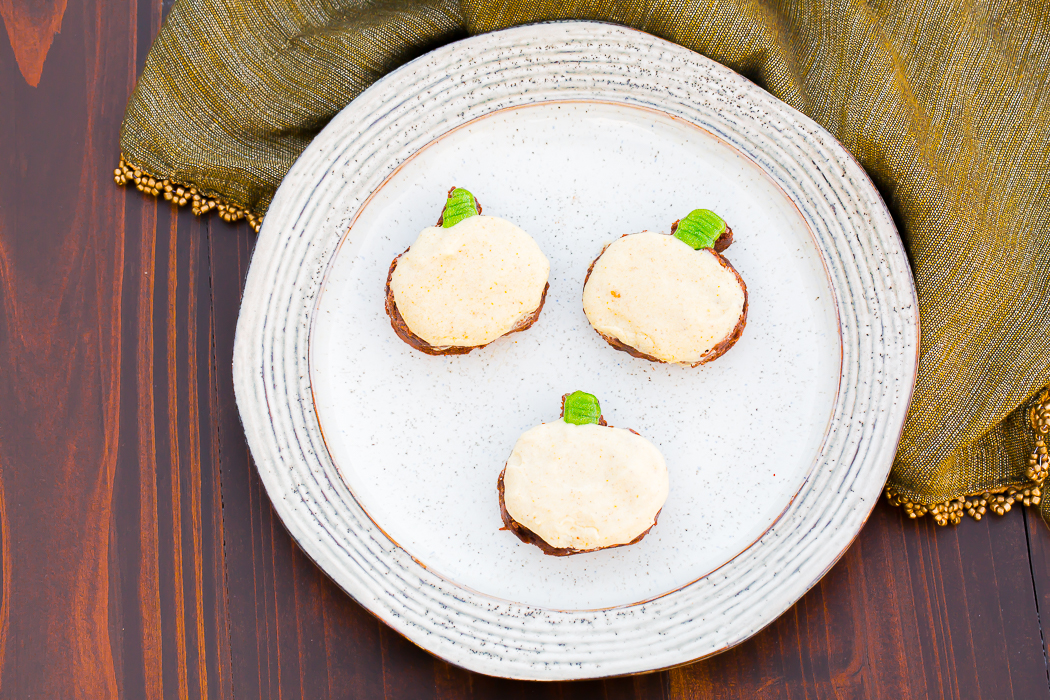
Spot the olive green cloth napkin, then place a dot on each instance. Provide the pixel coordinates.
(944, 102)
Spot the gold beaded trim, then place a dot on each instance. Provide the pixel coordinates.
(181, 194)
(999, 501)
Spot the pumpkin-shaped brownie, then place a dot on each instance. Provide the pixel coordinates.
(669, 298)
(466, 281)
(579, 485)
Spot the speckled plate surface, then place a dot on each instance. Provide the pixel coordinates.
(382, 461)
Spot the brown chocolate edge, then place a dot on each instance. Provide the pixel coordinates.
(529, 537)
(715, 352)
(397, 322)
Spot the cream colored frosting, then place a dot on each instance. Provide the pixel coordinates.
(584, 486)
(469, 284)
(658, 295)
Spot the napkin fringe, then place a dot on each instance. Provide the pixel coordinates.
(999, 501)
(181, 193)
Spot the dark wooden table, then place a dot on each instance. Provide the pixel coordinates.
(140, 555)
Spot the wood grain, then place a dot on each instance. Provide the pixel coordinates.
(61, 277)
(141, 557)
(1038, 536)
(31, 27)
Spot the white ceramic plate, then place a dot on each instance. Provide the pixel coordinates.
(382, 461)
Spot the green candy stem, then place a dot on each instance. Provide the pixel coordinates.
(581, 408)
(700, 229)
(460, 205)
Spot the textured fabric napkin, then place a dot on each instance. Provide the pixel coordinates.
(945, 103)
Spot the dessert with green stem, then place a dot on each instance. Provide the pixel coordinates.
(672, 299)
(579, 485)
(466, 281)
